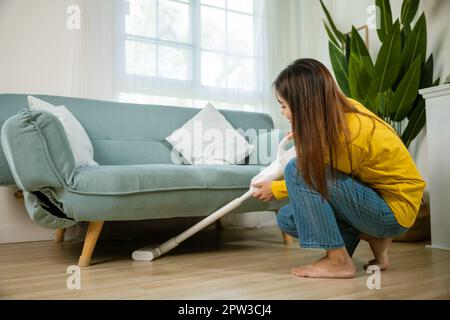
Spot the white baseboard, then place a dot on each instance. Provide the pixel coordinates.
(24, 233)
(437, 247)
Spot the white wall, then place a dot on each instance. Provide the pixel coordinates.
(36, 47)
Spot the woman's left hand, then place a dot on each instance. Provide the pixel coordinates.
(290, 135)
(265, 191)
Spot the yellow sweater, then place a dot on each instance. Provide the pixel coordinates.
(382, 162)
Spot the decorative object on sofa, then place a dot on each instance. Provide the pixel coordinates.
(208, 138)
(136, 178)
(272, 172)
(79, 141)
(389, 88)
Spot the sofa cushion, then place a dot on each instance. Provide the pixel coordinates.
(158, 204)
(112, 180)
(79, 141)
(208, 138)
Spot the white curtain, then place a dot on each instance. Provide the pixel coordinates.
(186, 52)
(94, 65)
(189, 52)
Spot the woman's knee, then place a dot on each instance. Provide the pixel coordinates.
(285, 218)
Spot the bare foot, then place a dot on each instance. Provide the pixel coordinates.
(336, 264)
(379, 247)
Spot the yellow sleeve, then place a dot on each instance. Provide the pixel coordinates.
(279, 189)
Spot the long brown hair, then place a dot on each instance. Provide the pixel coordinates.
(318, 110)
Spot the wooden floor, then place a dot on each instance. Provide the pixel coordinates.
(230, 264)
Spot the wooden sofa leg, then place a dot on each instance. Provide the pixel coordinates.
(93, 231)
(287, 239)
(59, 235)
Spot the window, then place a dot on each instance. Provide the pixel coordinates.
(188, 51)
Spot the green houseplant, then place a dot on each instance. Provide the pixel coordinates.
(389, 86)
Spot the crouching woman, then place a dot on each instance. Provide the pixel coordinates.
(353, 178)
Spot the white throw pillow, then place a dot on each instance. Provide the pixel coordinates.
(79, 141)
(208, 138)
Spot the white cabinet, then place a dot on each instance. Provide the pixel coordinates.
(438, 137)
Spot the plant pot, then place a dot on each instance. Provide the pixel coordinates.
(420, 231)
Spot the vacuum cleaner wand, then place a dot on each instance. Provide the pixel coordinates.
(274, 171)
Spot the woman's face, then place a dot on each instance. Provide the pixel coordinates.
(285, 109)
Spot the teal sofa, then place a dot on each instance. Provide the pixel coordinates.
(136, 179)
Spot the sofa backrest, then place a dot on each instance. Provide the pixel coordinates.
(125, 133)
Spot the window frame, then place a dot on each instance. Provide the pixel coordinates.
(191, 88)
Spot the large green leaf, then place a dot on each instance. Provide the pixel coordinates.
(358, 79)
(409, 11)
(355, 74)
(371, 103)
(385, 19)
(337, 33)
(406, 92)
(384, 101)
(348, 43)
(426, 78)
(416, 43)
(416, 123)
(330, 34)
(340, 67)
(388, 61)
(358, 47)
(361, 70)
(404, 34)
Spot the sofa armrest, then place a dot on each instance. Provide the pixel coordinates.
(266, 146)
(37, 150)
